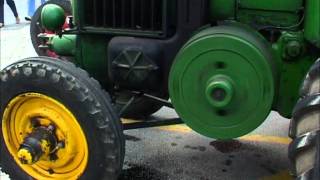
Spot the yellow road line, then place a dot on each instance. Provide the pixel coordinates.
(123, 120)
(176, 128)
(282, 175)
(267, 139)
(181, 128)
(253, 138)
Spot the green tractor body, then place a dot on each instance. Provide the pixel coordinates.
(223, 65)
(196, 50)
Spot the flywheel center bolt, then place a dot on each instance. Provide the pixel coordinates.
(219, 94)
(219, 91)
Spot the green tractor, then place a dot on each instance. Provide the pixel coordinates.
(223, 65)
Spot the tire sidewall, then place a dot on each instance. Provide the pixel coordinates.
(304, 141)
(20, 84)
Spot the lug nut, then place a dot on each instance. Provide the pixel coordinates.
(25, 156)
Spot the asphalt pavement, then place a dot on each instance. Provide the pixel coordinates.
(176, 152)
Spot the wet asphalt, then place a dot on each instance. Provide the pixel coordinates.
(179, 153)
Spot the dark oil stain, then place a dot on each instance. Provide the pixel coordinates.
(200, 148)
(226, 146)
(131, 138)
(231, 156)
(228, 162)
(257, 155)
(195, 158)
(174, 144)
(203, 178)
(190, 147)
(140, 172)
(269, 162)
(268, 168)
(178, 171)
(224, 170)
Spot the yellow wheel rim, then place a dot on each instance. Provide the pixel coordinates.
(17, 124)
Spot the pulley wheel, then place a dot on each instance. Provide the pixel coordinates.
(222, 82)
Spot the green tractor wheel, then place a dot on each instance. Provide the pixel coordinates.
(304, 151)
(57, 123)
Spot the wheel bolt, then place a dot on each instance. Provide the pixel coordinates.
(219, 91)
(25, 156)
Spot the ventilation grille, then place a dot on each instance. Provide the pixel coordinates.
(136, 15)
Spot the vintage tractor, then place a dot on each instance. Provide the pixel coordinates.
(224, 65)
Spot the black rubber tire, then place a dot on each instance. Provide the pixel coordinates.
(304, 150)
(141, 108)
(36, 28)
(83, 96)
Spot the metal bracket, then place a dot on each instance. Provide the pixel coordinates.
(148, 123)
(154, 98)
(140, 94)
(124, 108)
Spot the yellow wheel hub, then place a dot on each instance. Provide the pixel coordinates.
(18, 123)
(26, 155)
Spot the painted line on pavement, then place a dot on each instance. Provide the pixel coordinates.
(181, 128)
(266, 139)
(282, 175)
(253, 138)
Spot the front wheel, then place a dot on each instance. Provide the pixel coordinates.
(304, 151)
(57, 123)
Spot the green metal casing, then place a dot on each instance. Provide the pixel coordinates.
(262, 12)
(75, 11)
(283, 59)
(65, 45)
(222, 9)
(91, 55)
(52, 17)
(312, 22)
(292, 70)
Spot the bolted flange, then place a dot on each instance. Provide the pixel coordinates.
(294, 49)
(41, 142)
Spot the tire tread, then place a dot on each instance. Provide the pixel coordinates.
(75, 82)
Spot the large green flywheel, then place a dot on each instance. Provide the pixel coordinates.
(222, 82)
